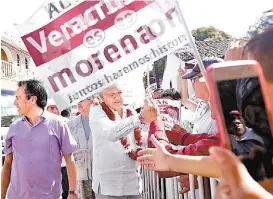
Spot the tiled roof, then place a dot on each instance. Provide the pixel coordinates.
(205, 49)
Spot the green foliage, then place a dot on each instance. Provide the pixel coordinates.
(209, 33)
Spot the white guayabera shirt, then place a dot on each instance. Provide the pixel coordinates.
(114, 172)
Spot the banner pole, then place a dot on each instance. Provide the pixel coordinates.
(148, 76)
(192, 43)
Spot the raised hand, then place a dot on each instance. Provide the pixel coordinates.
(235, 52)
(181, 71)
(184, 181)
(235, 181)
(149, 112)
(154, 159)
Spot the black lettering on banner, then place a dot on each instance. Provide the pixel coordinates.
(181, 38)
(133, 65)
(83, 92)
(75, 96)
(169, 45)
(147, 58)
(108, 78)
(126, 69)
(89, 88)
(51, 8)
(141, 60)
(120, 72)
(70, 98)
(164, 47)
(175, 42)
(100, 83)
(115, 75)
(94, 86)
(65, 4)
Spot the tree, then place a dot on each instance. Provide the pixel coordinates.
(209, 33)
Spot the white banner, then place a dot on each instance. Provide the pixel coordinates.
(90, 45)
(169, 112)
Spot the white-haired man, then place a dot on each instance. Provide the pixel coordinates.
(116, 139)
(80, 129)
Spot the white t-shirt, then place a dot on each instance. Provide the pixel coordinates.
(203, 123)
(186, 118)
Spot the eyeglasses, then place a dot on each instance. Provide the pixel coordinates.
(114, 95)
(195, 78)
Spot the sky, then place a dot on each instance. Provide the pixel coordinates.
(232, 16)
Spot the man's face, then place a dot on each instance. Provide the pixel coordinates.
(113, 98)
(53, 109)
(21, 102)
(196, 81)
(199, 86)
(237, 126)
(156, 95)
(84, 105)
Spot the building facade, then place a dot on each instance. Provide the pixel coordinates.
(15, 66)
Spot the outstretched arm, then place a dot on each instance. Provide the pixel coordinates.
(112, 130)
(159, 159)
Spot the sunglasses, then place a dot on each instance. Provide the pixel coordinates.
(195, 78)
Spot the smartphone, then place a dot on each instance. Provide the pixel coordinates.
(266, 80)
(240, 131)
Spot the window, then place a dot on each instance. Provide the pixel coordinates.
(4, 56)
(18, 60)
(26, 63)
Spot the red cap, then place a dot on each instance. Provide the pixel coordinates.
(235, 112)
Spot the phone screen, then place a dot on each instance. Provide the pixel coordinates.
(246, 123)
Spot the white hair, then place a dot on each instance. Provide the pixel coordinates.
(114, 85)
(50, 102)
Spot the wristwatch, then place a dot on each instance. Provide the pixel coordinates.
(73, 192)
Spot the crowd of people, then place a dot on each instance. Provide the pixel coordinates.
(98, 153)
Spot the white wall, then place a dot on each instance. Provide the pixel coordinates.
(171, 74)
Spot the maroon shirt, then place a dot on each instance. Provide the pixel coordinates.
(194, 144)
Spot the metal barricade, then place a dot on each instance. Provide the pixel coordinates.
(169, 188)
